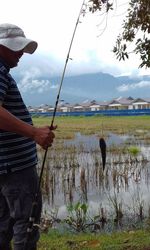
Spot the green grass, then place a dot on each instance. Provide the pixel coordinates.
(67, 126)
(133, 240)
(100, 126)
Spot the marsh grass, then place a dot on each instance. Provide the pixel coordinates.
(73, 170)
(68, 126)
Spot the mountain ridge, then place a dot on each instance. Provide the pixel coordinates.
(96, 86)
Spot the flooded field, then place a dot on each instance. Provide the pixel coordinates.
(74, 173)
(74, 185)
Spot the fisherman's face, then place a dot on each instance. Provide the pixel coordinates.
(10, 57)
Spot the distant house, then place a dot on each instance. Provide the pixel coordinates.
(85, 106)
(50, 109)
(121, 103)
(141, 103)
(67, 107)
(78, 107)
(45, 108)
(31, 109)
(94, 106)
(103, 105)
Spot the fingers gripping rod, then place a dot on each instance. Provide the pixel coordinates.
(34, 204)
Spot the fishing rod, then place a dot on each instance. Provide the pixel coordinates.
(34, 204)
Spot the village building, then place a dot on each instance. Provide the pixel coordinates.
(120, 103)
(140, 103)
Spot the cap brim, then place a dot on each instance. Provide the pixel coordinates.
(19, 43)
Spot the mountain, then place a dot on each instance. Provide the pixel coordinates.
(75, 89)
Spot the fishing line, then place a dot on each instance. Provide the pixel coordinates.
(60, 86)
(34, 204)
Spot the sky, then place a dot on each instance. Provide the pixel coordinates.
(51, 24)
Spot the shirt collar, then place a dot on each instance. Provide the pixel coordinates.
(4, 66)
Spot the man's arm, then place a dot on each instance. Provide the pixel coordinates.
(8, 122)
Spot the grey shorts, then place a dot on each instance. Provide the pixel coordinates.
(17, 192)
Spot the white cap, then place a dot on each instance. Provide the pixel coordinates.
(13, 37)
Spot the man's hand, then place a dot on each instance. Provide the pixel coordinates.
(44, 136)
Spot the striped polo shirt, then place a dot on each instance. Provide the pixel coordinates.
(16, 152)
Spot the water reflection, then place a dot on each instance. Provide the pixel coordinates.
(92, 142)
(75, 173)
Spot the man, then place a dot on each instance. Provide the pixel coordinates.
(18, 138)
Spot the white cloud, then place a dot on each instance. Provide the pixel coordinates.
(51, 23)
(30, 83)
(128, 87)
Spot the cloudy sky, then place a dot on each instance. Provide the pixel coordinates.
(51, 24)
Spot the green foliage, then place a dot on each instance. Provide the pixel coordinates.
(137, 23)
(77, 218)
(134, 151)
(136, 30)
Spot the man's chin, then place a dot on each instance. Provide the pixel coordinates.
(14, 65)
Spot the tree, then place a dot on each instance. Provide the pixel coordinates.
(136, 29)
(95, 5)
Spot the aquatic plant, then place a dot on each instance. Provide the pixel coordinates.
(134, 151)
(78, 217)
